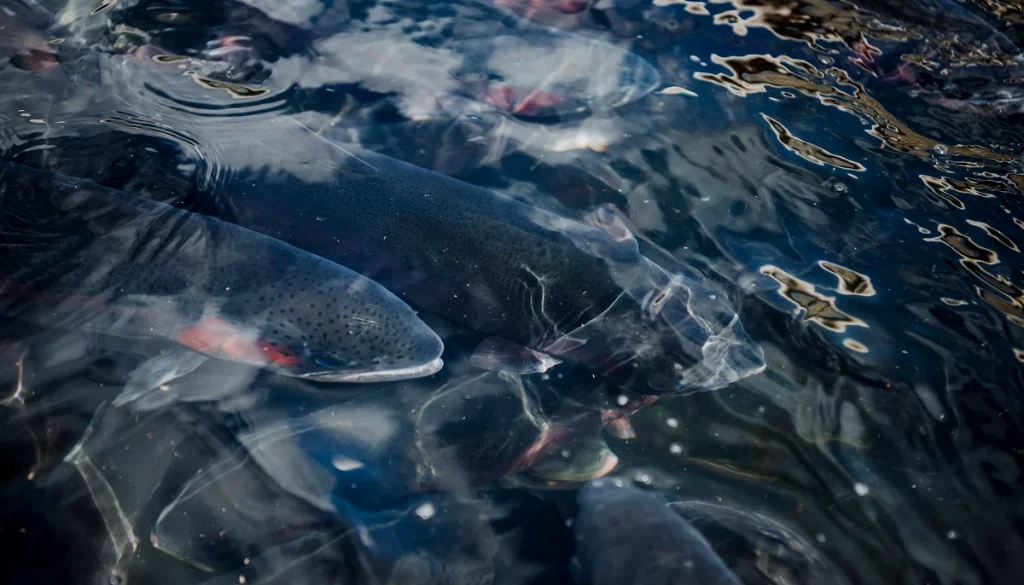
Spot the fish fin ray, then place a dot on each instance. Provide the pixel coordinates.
(501, 355)
(157, 371)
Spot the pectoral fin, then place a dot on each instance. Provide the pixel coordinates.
(620, 428)
(501, 355)
(158, 371)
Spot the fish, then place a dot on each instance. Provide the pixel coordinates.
(626, 535)
(943, 18)
(776, 551)
(454, 434)
(81, 257)
(580, 291)
(495, 66)
(556, 13)
(984, 91)
(469, 134)
(238, 517)
(579, 462)
(586, 75)
(23, 36)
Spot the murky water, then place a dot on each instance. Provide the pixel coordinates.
(846, 176)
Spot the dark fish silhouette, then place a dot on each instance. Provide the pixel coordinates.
(625, 535)
(78, 256)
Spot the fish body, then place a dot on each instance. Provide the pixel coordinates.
(491, 61)
(586, 75)
(78, 256)
(574, 290)
(942, 17)
(772, 549)
(625, 535)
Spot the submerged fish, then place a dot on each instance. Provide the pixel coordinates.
(945, 20)
(625, 535)
(580, 75)
(771, 549)
(557, 13)
(578, 291)
(78, 256)
(584, 76)
(579, 462)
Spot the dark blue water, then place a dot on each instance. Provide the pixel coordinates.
(847, 176)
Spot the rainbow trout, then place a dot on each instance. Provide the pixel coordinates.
(78, 256)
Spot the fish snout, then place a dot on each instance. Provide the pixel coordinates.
(415, 352)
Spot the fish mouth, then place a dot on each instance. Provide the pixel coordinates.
(390, 375)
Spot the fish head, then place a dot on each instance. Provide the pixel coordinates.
(322, 322)
(351, 332)
(667, 334)
(586, 76)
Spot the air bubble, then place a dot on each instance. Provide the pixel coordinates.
(941, 149)
(839, 188)
(675, 448)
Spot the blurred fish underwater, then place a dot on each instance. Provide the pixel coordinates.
(512, 291)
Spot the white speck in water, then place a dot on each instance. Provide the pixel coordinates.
(694, 58)
(839, 188)
(36, 121)
(676, 90)
(688, 563)
(760, 409)
(951, 535)
(941, 149)
(227, 288)
(861, 489)
(672, 422)
(342, 463)
(241, 579)
(426, 511)
(643, 478)
(618, 483)
(565, 453)
(820, 538)
(245, 561)
(622, 400)
(675, 448)
(165, 387)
